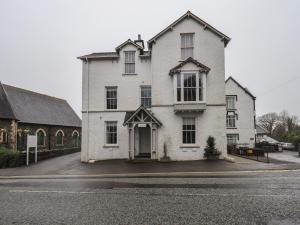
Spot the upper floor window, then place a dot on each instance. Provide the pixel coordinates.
(188, 131)
(230, 120)
(187, 45)
(59, 137)
(111, 97)
(146, 96)
(111, 133)
(129, 62)
(189, 87)
(230, 102)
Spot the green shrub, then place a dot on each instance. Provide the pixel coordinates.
(210, 152)
(9, 158)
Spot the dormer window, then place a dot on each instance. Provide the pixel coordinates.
(129, 62)
(187, 45)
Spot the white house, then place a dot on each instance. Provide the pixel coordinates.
(166, 100)
(240, 116)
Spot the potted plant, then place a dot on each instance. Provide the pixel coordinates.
(210, 152)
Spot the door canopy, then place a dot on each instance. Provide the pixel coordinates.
(142, 116)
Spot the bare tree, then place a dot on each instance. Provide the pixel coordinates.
(290, 122)
(268, 122)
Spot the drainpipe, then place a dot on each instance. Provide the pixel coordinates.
(88, 108)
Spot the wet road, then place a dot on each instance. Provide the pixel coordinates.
(270, 198)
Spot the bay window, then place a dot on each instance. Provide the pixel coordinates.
(190, 87)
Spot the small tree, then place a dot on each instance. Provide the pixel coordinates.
(210, 152)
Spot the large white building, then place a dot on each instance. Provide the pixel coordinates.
(166, 100)
(240, 116)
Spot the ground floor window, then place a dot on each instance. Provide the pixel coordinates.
(188, 131)
(3, 136)
(75, 139)
(232, 139)
(111, 132)
(59, 137)
(41, 136)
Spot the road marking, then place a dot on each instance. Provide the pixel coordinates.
(155, 194)
(162, 174)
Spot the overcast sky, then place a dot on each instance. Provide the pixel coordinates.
(40, 40)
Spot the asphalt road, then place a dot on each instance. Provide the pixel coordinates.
(262, 198)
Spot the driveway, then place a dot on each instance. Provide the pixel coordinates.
(287, 156)
(71, 165)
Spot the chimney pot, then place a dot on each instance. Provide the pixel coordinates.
(139, 37)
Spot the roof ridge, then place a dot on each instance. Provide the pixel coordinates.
(33, 92)
(241, 86)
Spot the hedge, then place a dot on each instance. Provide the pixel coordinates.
(9, 158)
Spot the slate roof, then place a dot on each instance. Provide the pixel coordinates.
(261, 130)
(101, 55)
(6, 111)
(32, 107)
(130, 114)
(202, 67)
(189, 15)
(238, 84)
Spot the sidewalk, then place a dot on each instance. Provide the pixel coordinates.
(70, 165)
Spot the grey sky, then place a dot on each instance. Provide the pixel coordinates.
(40, 41)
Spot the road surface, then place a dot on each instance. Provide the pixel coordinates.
(262, 198)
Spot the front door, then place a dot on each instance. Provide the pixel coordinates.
(145, 141)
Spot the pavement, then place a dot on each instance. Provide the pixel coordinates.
(257, 199)
(70, 166)
(288, 156)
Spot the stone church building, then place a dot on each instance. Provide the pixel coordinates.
(24, 112)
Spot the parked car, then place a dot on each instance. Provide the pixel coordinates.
(286, 145)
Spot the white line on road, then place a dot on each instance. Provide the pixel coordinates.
(136, 193)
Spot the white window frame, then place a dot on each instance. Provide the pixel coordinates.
(195, 122)
(190, 47)
(233, 135)
(141, 98)
(105, 133)
(231, 116)
(106, 98)
(201, 76)
(126, 62)
(233, 100)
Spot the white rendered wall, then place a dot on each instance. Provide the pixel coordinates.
(246, 114)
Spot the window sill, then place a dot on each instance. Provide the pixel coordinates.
(231, 128)
(110, 146)
(228, 109)
(189, 146)
(59, 145)
(129, 74)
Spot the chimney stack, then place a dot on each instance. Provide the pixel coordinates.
(139, 41)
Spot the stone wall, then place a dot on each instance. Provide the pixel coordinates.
(17, 135)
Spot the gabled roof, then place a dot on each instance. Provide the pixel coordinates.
(129, 41)
(261, 130)
(189, 15)
(245, 89)
(131, 114)
(32, 107)
(202, 67)
(6, 111)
